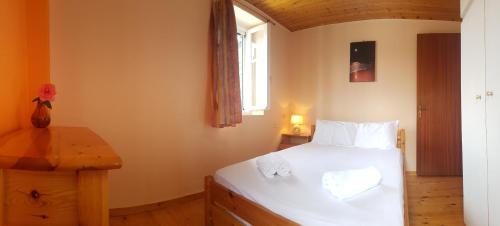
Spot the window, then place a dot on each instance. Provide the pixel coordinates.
(253, 62)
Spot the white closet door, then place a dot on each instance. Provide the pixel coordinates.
(473, 116)
(492, 25)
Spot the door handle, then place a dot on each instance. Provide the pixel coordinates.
(419, 110)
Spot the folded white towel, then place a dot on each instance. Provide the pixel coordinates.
(349, 183)
(272, 164)
(284, 168)
(266, 166)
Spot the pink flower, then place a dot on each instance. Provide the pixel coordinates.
(47, 92)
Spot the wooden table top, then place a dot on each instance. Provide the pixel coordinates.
(296, 135)
(56, 148)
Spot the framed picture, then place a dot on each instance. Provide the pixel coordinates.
(362, 67)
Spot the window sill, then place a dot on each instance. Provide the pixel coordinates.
(253, 113)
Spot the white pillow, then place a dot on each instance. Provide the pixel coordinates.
(334, 133)
(381, 135)
(323, 133)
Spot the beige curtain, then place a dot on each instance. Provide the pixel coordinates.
(226, 97)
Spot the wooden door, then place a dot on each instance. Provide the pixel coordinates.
(439, 141)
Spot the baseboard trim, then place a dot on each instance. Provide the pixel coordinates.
(411, 173)
(118, 212)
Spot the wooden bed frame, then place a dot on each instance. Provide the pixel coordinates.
(223, 207)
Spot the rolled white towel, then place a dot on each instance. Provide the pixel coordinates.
(284, 168)
(266, 166)
(272, 164)
(349, 183)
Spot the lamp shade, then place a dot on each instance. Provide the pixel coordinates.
(297, 119)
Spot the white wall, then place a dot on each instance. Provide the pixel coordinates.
(319, 67)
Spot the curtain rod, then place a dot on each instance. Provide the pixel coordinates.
(244, 4)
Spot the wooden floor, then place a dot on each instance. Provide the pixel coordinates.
(435, 201)
(432, 201)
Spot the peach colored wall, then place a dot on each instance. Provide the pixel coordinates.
(24, 59)
(319, 67)
(136, 73)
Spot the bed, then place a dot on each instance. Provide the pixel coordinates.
(239, 195)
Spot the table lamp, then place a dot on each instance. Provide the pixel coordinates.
(296, 121)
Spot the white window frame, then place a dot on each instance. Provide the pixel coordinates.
(255, 110)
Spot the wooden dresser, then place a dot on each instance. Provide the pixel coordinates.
(55, 177)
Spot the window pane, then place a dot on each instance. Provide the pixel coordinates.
(253, 68)
(253, 62)
(259, 69)
(240, 38)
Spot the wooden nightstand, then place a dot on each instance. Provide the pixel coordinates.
(289, 140)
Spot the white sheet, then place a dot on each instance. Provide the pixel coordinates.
(301, 198)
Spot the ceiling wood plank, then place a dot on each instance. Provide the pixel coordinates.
(303, 14)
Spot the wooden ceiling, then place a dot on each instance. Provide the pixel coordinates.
(302, 14)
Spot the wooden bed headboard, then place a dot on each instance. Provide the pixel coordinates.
(401, 143)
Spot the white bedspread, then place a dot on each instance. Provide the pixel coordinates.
(301, 198)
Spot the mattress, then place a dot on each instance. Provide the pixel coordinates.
(301, 198)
